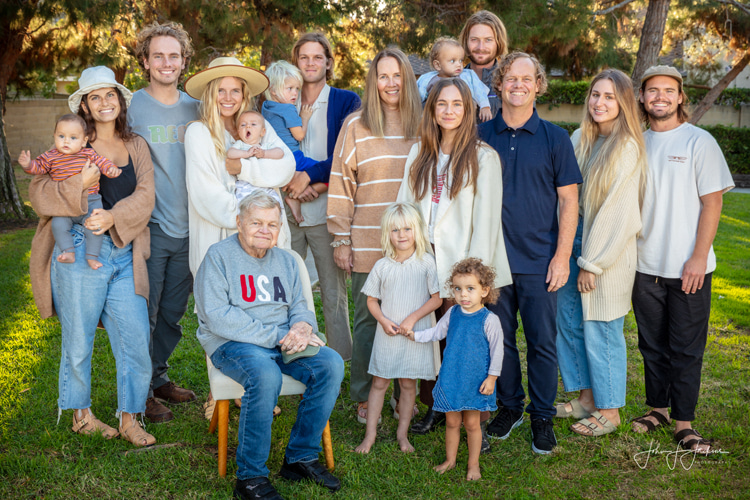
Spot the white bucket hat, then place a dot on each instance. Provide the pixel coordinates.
(220, 67)
(95, 78)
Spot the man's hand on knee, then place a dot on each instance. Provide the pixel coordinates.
(299, 337)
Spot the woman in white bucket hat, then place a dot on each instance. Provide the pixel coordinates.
(226, 89)
(115, 293)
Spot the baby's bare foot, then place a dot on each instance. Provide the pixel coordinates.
(94, 264)
(445, 466)
(365, 445)
(473, 473)
(405, 445)
(66, 257)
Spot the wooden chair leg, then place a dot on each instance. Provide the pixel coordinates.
(328, 446)
(222, 408)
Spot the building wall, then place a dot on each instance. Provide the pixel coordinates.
(30, 124)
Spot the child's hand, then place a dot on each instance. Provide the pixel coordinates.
(306, 111)
(389, 327)
(258, 152)
(488, 386)
(409, 334)
(24, 159)
(113, 172)
(485, 114)
(407, 325)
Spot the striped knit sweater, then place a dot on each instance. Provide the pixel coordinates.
(60, 166)
(609, 242)
(365, 178)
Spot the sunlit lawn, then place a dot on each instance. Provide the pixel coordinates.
(42, 459)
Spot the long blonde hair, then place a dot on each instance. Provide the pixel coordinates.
(599, 171)
(210, 116)
(403, 214)
(409, 104)
(464, 161)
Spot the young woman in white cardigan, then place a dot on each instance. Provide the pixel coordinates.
(591, 308)
(456, 180)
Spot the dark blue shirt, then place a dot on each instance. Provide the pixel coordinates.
(537, 158)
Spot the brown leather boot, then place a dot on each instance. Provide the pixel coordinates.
(171, 393)
(157, 412)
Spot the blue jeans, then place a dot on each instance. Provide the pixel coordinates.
(81, 296)
(258, 370)
(591, 354)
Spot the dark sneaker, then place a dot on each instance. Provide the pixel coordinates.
(542, 436)
(157, 412)
(429, 423)
(485, 442)
(505, 421)
(172, 393)
(256, 488)
(314, 471)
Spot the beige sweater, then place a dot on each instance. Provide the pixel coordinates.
(366, 175)
(68, 198)
(609, 242)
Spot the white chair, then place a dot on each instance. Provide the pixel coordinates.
(225, 389)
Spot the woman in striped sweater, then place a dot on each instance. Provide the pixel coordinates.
(591, 308)
(368, 165)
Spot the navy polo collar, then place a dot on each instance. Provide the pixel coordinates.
(531, 125)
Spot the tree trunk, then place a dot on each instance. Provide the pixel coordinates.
(717, 89)
(651, 38)
(11, 206)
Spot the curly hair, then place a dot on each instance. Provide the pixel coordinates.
(483, 273)
(504, 66)
(175, 30)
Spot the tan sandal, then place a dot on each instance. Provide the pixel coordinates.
(136, 434)
(88, 424)
(209, 406)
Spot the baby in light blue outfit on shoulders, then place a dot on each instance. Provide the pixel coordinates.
(447, 57)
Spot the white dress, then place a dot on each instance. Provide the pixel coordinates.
(402, 288)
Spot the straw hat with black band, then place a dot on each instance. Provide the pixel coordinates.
(220, 67)
(95, 78)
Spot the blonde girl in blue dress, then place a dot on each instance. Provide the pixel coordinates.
(402, 292)
(472, 359)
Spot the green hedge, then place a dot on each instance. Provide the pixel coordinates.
(734, 143)
(563, 92)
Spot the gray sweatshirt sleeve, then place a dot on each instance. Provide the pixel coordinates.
(494, 333)
(298, 310)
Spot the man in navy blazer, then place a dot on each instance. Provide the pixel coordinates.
(313, 55)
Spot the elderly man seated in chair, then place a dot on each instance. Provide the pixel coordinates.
(254, 324)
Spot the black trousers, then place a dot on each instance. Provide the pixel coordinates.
(672, 332)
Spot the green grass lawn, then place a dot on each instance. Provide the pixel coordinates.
(42, 459)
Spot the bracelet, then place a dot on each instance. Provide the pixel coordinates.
(337, 244)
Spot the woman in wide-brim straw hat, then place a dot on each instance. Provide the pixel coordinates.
(226, 90)
(117, 291)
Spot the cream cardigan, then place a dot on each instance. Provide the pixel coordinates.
(470, 225)
(212, 206)
(609, 241)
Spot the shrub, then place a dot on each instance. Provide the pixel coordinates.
(564, 92)
(734, 143)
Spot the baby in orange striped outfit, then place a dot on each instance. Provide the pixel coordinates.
(66, 159)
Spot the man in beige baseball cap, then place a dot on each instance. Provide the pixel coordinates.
(672, 291)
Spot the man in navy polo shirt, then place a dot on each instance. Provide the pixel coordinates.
(540, 172)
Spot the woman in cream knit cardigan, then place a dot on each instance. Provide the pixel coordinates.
(591, 309)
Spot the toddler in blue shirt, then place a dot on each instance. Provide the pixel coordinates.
(285, 81)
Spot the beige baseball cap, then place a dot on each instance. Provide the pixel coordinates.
(661, 70)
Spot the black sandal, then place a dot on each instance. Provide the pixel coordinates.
(650, 426)
(691, 444)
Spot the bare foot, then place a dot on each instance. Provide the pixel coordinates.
(66, 257)
(405, 445)
(296, 209)
(94, 264)
(445, 466)
(472, 474)
(365, 445)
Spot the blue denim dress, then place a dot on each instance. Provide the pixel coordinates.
(466, 362)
